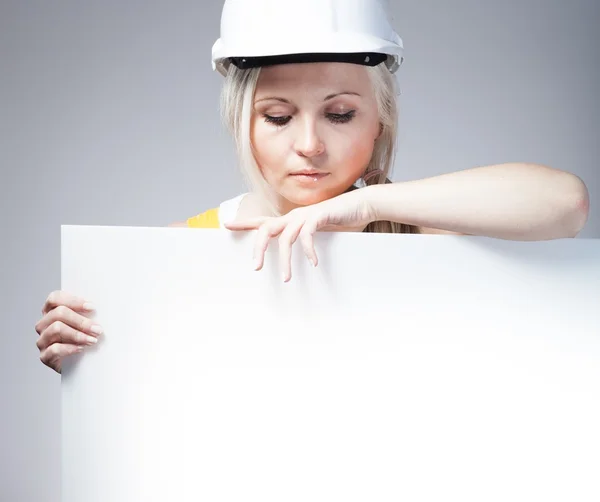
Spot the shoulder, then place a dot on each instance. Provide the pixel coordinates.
(207, 219)
(253, 206)
(214, 217)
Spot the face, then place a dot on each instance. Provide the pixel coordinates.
(314, 127)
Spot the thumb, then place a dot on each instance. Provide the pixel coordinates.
(247, 224)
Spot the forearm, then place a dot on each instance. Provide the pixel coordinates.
(507, 201)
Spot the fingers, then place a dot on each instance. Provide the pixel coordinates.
(57, 298)
(288, 232)
(268, 230)
(63, 330)
(307, 239)
(54, 355)
(59, 333)
(250, 224)
(286, 240)
(70, 318)
(289, 229)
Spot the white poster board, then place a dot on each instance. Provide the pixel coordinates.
(403, 367)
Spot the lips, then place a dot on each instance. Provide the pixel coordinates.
(308, 172)
(308, 176)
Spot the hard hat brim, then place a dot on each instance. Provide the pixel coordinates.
(338, 43)
(362, 58)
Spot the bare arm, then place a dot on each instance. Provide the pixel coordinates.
(515, 201)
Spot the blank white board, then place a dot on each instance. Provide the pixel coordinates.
(403, 367)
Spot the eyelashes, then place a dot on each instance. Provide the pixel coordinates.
(335, 118)
(278, 121)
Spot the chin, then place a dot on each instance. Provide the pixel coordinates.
(308, 196)
(307, 199)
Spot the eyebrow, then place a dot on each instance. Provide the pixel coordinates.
(331, 96)
(327, 98)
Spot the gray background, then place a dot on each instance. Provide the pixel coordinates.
(109, 116)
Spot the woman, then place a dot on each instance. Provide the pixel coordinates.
(314, 119)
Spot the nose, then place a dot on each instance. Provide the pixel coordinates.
(308, 141)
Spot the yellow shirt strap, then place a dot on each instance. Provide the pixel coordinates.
(208, 219)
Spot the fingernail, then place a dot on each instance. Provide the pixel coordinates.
(88, 306)
(312, 261)
(256, 264)
(91, 339)
(97, 330)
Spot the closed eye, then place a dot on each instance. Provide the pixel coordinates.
(341, 118)
(278, 121)
(336, 118)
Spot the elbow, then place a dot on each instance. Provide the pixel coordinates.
(577, 205)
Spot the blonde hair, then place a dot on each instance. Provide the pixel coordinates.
(237, 98)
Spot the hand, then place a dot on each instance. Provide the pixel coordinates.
(347, 212)
(63, 329)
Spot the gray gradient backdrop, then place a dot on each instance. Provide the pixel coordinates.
(108, 116)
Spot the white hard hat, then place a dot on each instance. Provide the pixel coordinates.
(262, 32)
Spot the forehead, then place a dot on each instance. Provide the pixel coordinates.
(304, 76)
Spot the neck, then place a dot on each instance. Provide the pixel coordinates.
(284, 206)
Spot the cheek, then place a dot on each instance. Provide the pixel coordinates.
(354, 153)
(269, 149)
